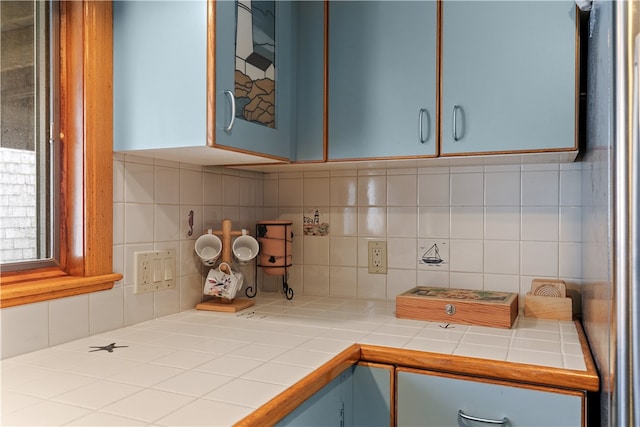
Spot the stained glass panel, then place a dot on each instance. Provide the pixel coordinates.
(255, 71)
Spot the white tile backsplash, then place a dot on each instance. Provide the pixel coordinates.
(344, 190)
(402, 190)
(167, 184)
(343, 251)
(401, 222)
(24, 328)
(502, 226)
(502, 189)
(343, 221)
(539, 259)
(502, 223)
(68, 319)
(316, 191)
(466, 256)
(540, 188)
(372, 221)
(343, 281)
(138, 182)
(372, 190)
(433, 189)
(540, 223)
(434, 221)
(467, 222)
(467, 189)
(501, 257)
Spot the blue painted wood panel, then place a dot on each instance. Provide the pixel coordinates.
(359, 396)
(428, 400)
(371, 404)
(511, 68)
(309, 140)
(382, 72)
(321, 409)
(159, 74)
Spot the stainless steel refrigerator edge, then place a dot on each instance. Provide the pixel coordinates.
(610, 292)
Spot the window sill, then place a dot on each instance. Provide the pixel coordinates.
(51, 285)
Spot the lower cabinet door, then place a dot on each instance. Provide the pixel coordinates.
(372, 394)
(322, 408)
(361, 396)
(433, 399)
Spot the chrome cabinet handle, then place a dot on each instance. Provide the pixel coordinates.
(455, 123)
(502, 422)
(233, 111)
(421, 114)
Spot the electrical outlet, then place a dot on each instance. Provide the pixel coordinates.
(155, 271)
(377, 251)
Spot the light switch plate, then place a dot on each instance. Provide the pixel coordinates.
(155, 271)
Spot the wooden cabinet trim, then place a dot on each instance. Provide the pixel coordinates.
(492, 369)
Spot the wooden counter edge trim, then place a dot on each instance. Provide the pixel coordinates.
(485, 368)
(287, 401)
(586, 351)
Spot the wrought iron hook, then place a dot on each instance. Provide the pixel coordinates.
(190, 232)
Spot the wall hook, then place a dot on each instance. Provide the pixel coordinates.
(190, 232)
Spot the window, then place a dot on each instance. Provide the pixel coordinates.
(28, 112)
(84, 261)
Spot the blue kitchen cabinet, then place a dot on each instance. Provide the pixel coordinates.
(245, 132)
(509, 76)
(309, 72)
(359, 396)
(159, 75)
(162, 89)
(372, 395)
(382, 79)
(433, 399)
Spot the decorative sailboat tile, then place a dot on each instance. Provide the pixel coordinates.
(313, 225)
(433, 254)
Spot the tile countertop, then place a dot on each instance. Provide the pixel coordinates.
(211, 368)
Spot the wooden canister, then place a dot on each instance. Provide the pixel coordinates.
(275, 238)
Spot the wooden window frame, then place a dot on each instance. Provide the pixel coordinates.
(86, 135)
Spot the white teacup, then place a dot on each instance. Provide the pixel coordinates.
(245, 248)
(208, 248)
(223, 282)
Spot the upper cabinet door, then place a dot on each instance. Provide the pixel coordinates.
(309, 18)
(159, 74)
(254, 76)
(382, 79)
(508, 76)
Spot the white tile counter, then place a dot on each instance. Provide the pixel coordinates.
(210, 368)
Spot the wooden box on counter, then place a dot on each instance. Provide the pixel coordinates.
(463, 306)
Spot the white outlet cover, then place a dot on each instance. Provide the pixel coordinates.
(377, 256)
(147, 276)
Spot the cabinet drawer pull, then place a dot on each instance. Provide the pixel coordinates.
(502, 422)
(421, 114)
(233, 111)
(456, 137)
